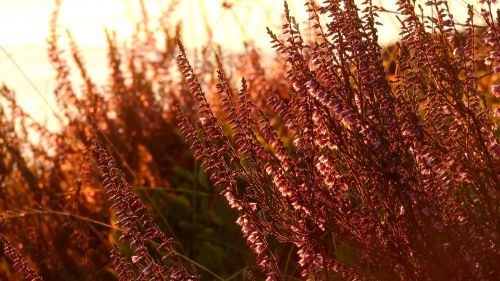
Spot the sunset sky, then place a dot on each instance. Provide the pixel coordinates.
(24, 27)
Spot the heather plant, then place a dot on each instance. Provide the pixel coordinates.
(389, 176)
(341, 160)
(51, 186)
(139, 231)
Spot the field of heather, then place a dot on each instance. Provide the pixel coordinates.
(348, 140)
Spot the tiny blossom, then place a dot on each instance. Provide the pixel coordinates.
(485, 13)
(495, 90)
(136, 259)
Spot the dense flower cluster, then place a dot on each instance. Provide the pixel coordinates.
(398, 169)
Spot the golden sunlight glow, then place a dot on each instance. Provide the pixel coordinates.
(24, 28)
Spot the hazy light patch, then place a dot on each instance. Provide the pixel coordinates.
(24, 28)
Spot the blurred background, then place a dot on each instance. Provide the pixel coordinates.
(24, 28)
